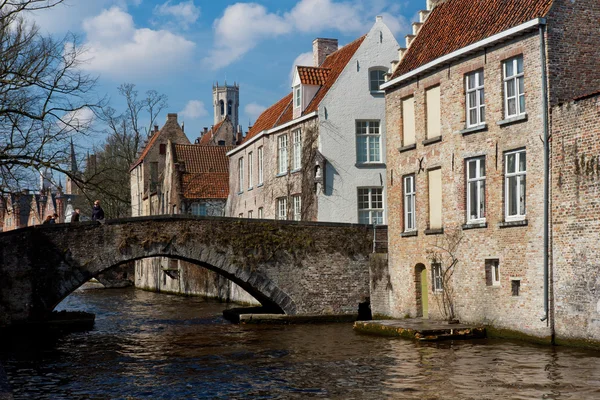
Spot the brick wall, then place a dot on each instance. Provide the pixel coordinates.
(575, 218)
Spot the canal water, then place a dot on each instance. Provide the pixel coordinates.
(150, 346)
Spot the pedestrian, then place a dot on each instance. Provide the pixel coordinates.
(97, 212)
(75, 216)
(48, 220)
(54, 219)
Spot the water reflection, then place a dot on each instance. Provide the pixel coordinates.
(149, 346)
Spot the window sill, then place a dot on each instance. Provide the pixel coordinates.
(473, 129)
(510, 224)
(377, 92)
(240, 193)
(434, 231)
(294, 171)
(279, 175)
(409, 234)
(436, 139)
(407, 148)
(369, 165)
(260, 185)
(474, 225)
(250, 188)
(512, 120)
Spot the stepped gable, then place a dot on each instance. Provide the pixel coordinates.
(206, 170)
(169, 125)
(205, 140)
(454, 24)
(282, 112)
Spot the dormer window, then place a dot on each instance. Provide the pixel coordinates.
(376, 79)
(297, 96)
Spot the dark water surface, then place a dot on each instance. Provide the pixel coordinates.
(150, 346)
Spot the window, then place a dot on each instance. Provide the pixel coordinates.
(438, 278)
(435, 198)
(250, 157)
(241, 174)
(229, 107)
(368, 142)
(297, 96)
(515, 185)
(282, 208)
(376, 79)
(409, 204)
(241, 215)
(297, 150)
(434, 116)
(514, 87)
(408, 121)
(222, 106)
(370, 206)
(162, 149)
(492, 273)
(475, 99)
(260, 213)
(250, 214)
(297, 207)
(260, 165)
(515, 287)
(221, 143)
(198, 209)
(282, 147)
(476, 190)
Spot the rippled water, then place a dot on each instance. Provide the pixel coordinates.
(150, 346)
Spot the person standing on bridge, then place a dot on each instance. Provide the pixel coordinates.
(97, 212)
(75, 216)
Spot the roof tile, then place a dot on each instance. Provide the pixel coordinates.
(313, 75)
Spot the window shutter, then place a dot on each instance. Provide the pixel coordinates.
(488, 273)
(408, 121)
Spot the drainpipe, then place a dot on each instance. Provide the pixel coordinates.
(542, 30)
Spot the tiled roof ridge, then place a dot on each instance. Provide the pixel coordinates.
(455, 24)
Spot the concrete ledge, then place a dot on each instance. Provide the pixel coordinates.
(407, 148)
(420, 329)
(295, 319)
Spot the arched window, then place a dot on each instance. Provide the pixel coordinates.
(222, 104)
(229, 107)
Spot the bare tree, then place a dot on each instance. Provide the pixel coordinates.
(443, 257)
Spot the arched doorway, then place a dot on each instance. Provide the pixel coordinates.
(421, 286)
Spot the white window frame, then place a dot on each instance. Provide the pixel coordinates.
(373, 211)
(437, 278)
(250, 159)
(282, 154)
(298, 96)
(241, 174)
(479, 105)
(409, 186)
(297, 204)
(260, 166)
(260, 213)
(495, 270)
(250, 214)
(519, 175)
(282, 208)
(297, 150)
(378, 80)
(373, 157)
(479, 181)
(514, 80)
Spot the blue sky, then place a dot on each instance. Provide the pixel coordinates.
(180, 47)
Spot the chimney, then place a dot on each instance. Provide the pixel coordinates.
(322, 48)
(155, 128)
(172, 117)
(240, 134)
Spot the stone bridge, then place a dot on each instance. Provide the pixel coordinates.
(289, 267)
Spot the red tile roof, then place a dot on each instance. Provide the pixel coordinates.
(313, 75)
(455, 24)
(214, 185)
(282, 112)
(206, 138)
(151, 142)
(206, 173)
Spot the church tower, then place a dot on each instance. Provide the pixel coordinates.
(226, 103)
(71, 188)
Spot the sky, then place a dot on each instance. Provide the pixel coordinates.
(181, 47)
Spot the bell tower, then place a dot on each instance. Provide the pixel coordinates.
(226, 103)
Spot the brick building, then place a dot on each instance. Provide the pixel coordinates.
(468, 110)
(319, 152)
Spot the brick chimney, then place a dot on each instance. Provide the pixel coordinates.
(323, 47)
(172, 117)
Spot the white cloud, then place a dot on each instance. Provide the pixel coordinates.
(305, 59)
(397, 24)
(186, 12)
(79, 120)
(316, 15)
(253, 110)
(194, 109)
(117, 48)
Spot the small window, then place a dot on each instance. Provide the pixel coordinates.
(250, 214)
(221, 143)
(370, 206)
(515, 287)
(297, 202)
(282, 208)
(409, 204)
(162, 149)
(475, 99)
(514, 87)
(250, 167)
(515, 191)
(198, 209)
(492, 272)
(368, 142)
(241, 174)
(376, 79)
(437, 277)
(476, 190)
(260, 213)
(297, 96)
(260, 165)
(297, 150)
(282, 150)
